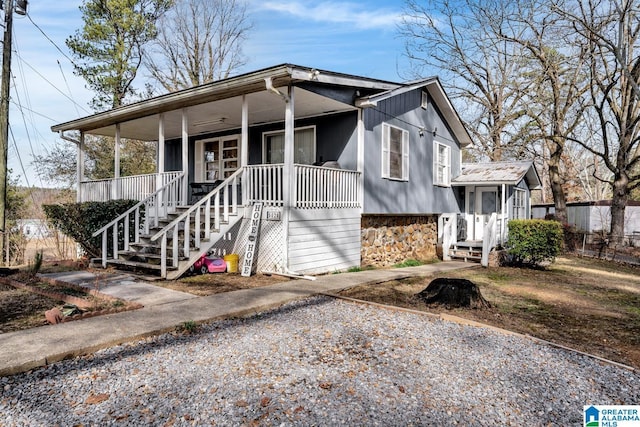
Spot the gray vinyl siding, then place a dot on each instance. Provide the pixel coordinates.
(418, 194)
(324, 240)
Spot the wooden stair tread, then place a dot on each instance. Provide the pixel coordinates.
(142, 265)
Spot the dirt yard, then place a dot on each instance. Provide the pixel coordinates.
(209, 284)
(582, 303)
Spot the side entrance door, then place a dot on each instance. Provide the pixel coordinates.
(487, 201)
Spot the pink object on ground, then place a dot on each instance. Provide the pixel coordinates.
(209, 265)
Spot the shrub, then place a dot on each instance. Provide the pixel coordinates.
(534, 241)
(80, 220)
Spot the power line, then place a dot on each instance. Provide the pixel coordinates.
(51, 41)
(51, 84)
(34, 112)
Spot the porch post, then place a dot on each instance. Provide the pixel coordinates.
(288, 172)
(360, 158)
(160, 155)
(185, 156)
(244, 146)
(115, 190)
(503, 223)
(80, 168)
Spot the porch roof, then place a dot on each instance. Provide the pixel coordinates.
(216, 106)
(497, 173)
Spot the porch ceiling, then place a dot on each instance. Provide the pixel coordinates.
(264, 107)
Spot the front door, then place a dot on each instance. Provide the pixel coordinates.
(216, 158)
(487, 202)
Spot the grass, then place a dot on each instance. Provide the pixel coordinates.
(409, 263)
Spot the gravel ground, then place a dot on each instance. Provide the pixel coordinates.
(320, 362)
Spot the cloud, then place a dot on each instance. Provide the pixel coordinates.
(354, 14)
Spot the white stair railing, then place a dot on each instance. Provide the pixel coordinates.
(489, 239)
(155, 207)
(449, 234)
(222, 209)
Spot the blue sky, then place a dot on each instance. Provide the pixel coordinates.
(356, 37)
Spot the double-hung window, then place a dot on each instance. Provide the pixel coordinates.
(519, 204)
(395, 153)
(441, 164)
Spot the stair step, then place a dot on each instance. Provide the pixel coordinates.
(136, 264)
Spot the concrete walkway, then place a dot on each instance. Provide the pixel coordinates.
(164, 310)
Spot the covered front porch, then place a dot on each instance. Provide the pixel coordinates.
(493, 194)
(276, 137)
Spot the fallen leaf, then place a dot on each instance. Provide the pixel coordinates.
(326, 385)
(96, 398)
(265, 401)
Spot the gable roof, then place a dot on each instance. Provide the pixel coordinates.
(497, 173)
(436, 92)
(223, 99)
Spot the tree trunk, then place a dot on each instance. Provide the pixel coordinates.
(618, 206)
(453, 293)
(555, 180)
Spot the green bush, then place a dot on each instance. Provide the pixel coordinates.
(80, 220)
(534, 241)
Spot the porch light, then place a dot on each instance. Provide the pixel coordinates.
(212, 121)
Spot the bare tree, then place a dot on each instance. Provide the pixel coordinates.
(612, 30)
(199, 41)
(481, 71)
(555, 66)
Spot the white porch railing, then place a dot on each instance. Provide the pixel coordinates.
(202, 228)
(263, 183)
(316, 187)
(155, 206)
(136, 187)
(319, 187)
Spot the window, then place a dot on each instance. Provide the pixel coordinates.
(304, 146)
(395, 153)
(442, 165)
(424, 103)
(519, 204)
(216, 158)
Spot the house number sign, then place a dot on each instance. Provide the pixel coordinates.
(252, 245)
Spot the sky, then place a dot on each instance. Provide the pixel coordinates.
(354, 37)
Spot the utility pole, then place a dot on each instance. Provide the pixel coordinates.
(4, 110)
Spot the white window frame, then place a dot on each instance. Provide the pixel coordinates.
(424, 101)
(265, 135)
(519, 206)
(437, 165)
(386, 153)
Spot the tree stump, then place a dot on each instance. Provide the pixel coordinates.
(453, 293)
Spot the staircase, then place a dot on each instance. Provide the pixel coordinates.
(161, 236)
(146, 254)
(467, 251)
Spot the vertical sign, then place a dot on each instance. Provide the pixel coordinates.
(252, 245)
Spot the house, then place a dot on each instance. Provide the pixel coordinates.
(341, 170)
(33, 228)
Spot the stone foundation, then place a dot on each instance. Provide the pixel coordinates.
(392, 239)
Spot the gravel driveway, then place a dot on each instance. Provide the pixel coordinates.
(320, 362)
